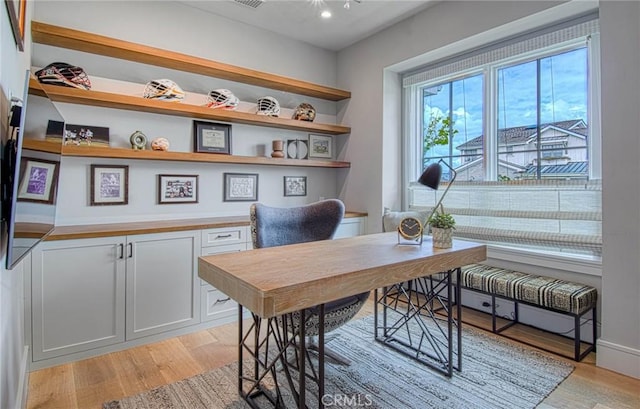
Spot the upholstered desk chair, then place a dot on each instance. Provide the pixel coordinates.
(277, 226)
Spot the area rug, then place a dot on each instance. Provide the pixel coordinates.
(496, 374)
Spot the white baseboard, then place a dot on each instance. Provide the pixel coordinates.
(23, 385)
(618, 358)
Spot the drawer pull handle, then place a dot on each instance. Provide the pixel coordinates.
(223, 236)
(222, 301)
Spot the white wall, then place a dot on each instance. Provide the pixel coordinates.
(457, 26)
(619, 346)
(13, 356)
(177, 27)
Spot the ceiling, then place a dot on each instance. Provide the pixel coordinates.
(301, 19)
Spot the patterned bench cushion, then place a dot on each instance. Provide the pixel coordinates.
(548, 292)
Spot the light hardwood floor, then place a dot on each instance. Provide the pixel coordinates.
(87, 384)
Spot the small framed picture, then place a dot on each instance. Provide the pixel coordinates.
(177, 189)
(211, 137)
(240, 187)
(320, 146)
(38, 181)
(109, 185)
(85, 135)
(297, 149)
(295, 185)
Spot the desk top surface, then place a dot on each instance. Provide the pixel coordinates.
(276, 280)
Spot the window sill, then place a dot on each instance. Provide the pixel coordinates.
(576, 263)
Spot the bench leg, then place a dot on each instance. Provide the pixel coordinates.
(577, 339)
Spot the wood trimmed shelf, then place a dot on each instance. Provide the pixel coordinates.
(122, 153)
(134, 103)
(101, 45)
(87, 231)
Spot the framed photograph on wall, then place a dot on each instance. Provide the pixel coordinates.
(177, 189)
(240, 187)
(39, 180)
(295, 185)
(210, 137)
(109, 185)
(320, 146)
(17, 16)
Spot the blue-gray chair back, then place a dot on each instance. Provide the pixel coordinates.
(276, 226)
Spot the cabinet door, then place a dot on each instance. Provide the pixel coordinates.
(163, 289)
(78, 290)
(351, 227)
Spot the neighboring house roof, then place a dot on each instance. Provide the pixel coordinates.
(521, 134)
(570, 168)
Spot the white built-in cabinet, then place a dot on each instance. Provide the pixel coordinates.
(90, 293)
(215, 304)
(78, 296)
(90, 296)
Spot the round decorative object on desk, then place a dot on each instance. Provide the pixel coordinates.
(410, 229)
(138, 140)
(160, 144)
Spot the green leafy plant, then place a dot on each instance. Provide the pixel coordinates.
(439, 130)
(442, 221)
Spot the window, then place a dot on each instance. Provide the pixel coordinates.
(515, 123)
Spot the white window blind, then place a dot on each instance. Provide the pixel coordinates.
(558, 215)
(497, 52)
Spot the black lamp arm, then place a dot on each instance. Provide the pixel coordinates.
(439, 204)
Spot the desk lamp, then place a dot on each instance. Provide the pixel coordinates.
(411, 228)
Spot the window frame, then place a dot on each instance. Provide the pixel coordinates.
(413, 120)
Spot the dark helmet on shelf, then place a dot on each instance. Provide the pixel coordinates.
(66, 75)
(305, 112)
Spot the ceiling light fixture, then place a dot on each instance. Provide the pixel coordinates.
(325, 14)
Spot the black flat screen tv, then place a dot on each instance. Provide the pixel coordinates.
(30, 173)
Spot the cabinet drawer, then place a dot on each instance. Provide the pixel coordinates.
(231, 248)
(224, 236)
(216, 304)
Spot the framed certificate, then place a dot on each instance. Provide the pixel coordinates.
(211, 137)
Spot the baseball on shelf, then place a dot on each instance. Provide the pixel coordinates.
(160, 144)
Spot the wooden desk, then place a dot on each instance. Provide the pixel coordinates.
(279, 280)
(276, 280)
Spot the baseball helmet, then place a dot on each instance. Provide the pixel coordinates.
(222, 98)
(305, 112)
(163, 89)
(66, 75)
(268, 106)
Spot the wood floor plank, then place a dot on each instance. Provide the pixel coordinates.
(52, 388)
(87, 384)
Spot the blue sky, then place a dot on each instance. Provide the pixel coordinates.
(563, 90)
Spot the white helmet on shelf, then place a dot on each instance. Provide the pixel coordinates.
(163, 89)
(222, 98)
(268, 106)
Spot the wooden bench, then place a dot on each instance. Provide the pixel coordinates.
(564, 297)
